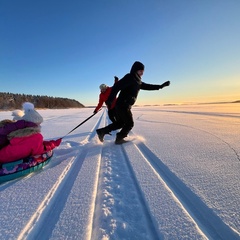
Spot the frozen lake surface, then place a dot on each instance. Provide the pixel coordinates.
(177, 178)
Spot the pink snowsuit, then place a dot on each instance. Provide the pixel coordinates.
(6, 128)
(24, 143)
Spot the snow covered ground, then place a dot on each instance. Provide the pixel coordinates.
(178, 178)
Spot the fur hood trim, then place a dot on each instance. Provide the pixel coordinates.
(5, 121)
(25, 132)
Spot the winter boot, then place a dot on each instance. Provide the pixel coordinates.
(120, 139)
(101, 132)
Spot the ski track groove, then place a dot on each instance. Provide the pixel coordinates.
(113, 197)
(204, 217)
(151, 223)
(53, 204)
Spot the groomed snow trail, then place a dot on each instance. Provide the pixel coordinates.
(55, 206)
(206, 222)
(119, 193)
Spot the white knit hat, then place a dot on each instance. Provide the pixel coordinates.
(103, 87)
(30, 114)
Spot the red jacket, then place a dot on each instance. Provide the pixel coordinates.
(103, 96)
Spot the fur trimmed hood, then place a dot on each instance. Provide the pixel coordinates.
(5, 122)
(25, 132)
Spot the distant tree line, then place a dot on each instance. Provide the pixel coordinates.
(11, 101)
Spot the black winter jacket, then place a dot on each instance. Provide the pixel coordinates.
(129, 87)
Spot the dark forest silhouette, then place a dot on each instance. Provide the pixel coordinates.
(11, 101)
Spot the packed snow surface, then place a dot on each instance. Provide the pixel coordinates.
(176, 178)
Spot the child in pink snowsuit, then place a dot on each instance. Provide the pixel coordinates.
(25, 138)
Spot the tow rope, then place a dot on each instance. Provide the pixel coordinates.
(82, 123)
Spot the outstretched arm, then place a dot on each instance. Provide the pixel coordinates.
(100, 103)
(147, 86)
(166, 84)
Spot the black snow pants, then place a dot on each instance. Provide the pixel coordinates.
(124, 121)
(112, 115)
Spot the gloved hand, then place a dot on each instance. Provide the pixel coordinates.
(49, 145)
(166, 84)
(57, 142)
(95, 111)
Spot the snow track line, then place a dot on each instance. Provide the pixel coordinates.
(151, 224)
(228, 115)
(207, 221)
(200, 130)
(35, 219)
(53, 204)
(117, 191)
(113, 198)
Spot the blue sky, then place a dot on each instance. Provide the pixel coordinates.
(68, 48)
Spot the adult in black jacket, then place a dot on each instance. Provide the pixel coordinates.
(129, 87)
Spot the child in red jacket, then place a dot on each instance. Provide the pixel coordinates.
(103, 96)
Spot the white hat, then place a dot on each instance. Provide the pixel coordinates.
(17, 115)
(103, 86)
(30, 114)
